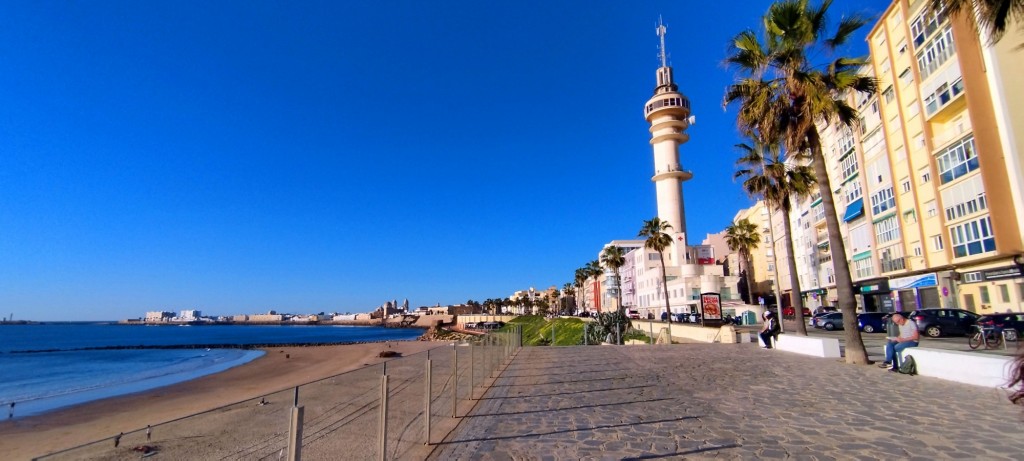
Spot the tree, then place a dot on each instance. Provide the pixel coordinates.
(785, 95)
(570, 292)
(580, 280)
(991, 16)
(594, 270)
(768, 175)
(614, 257)
(654, 231)
(743, 236)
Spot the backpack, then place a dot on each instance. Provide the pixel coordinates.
(774, 327)
(907, 366)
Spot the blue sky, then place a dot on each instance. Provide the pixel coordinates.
(238, 157)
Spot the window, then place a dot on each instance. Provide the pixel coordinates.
(887, 230)
(937, 243)
(905, 184)
(885, 67)
(910, 217)
(924, 26)
(863, 268)
(852, 191)
(917, 249)
(971, 277)
(926, 175)
(905, 77)
(913, 109)
(849, 166)
(1004, 293)
(936, 52)
(957, 160)
(882, 200)
(943, 95)
(965, 198)
(888, 94)
(860, 238)
(972, 237)
(984, 295)
(930, 209)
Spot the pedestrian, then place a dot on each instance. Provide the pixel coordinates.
(907, 337)
(1017, 379)
(770, 330)
(117, 439)
(149, 433)
(10, 411)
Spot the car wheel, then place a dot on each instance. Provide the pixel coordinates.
(869, 329)
(933, 331)
(829, 326)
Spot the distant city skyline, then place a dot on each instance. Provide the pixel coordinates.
(238, 157)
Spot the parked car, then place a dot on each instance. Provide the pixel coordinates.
(1015, 321)
(812, 322)
(937, 322)
(634, 314)
(872, 322)
(790, 312)
(830, 321)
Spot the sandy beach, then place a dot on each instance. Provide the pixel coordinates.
(279, 369)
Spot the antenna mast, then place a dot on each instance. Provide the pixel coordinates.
(661, 30)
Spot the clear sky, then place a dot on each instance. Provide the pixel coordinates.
(237, 157)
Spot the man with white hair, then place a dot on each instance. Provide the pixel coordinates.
(908, 337)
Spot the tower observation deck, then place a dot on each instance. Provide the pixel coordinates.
(668, 112)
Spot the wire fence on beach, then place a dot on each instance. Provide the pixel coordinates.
(394, 410)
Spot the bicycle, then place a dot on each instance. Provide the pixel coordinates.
(992, 337)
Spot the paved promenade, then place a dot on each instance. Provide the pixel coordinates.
(732, 401)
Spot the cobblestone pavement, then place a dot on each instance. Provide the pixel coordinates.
(733, 401)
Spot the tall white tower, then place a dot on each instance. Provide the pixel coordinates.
(668, 112)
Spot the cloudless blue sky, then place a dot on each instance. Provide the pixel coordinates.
(237, 157)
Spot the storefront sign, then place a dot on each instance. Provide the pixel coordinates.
(711, 306)
(915, 281)
(873, 287)
(1001, 273)
(705, 254)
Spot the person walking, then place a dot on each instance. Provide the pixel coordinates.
(771, 329)
(10, 411)
(907, 337)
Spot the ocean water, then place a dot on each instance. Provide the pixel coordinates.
(68, 373)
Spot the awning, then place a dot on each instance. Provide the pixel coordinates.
(861, 255)
(854, 210)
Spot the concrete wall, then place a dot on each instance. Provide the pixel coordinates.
(688, 332)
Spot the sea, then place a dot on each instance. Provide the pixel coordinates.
(53, 365)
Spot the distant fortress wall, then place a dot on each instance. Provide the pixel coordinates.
(266, 318)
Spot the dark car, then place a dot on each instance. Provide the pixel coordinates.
(937, 322)
(1005, 321)
(830, 321)
(872, 322)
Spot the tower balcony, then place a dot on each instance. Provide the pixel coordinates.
(669, 102)
(672, 171)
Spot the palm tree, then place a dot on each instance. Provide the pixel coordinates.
(654, 230)
(569, 291)
(769, 176)
(594, 270)
(991, 16)
(785, 96)
(581, 280)
(614, 258)
(742, 237)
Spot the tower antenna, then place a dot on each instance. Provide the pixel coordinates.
(661, 30)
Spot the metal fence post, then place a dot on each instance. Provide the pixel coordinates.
(455, 380)
(650, 323)
(383, 433)
(618, 333)
(552, 334)
(584, 334)
(295, 431)
(472, 374)
(426, 400)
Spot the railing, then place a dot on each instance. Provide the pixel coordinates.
(894, 264)
(394, 410)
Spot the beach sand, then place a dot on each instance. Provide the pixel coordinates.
(32, 436)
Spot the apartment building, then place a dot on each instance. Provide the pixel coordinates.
(929, 184)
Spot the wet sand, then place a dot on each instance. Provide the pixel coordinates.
(25, 438)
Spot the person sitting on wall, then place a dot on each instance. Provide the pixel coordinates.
(770, 330)
(908, 337)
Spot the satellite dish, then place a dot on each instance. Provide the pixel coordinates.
(692, 120)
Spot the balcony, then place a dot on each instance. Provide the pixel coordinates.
(894, 264)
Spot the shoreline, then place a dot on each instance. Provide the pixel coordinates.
(280, 368)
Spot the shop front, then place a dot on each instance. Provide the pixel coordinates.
(916, 292)
(875, 295)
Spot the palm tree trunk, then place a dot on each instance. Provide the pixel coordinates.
(664, 285)
(749, 276)
(794, 279)
(618, 290)
(855, 352)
